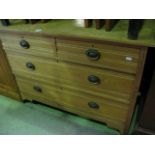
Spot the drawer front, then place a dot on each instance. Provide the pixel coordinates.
(100, 55)
(94, 106)
(35, 66)
(30, 45)
(96, 80)
(91, 80)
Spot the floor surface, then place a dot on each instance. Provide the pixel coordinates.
(34, 119)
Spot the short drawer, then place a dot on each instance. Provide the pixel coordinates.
(33, 45)
(24, 64)
(89, 79)
(94, 106)
(118, 58)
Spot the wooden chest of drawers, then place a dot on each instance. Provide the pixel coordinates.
(95, 79)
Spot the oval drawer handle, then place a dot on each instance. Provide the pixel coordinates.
(93, 105)
(24, 44)
(37, 89)
(94, 79)
(93, 54)
(30, 65)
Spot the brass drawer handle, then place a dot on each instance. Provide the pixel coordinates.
(24, 44)
(37, 89)
(93, 54)
(93, 105)
(30, 65)
(94, 79)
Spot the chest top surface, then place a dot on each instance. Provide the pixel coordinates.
(67, 28)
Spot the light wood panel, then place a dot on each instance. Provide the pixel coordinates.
(44, 47)
(8, 85)
(55, 71)
(119, 85)
(117, 58)
(73, 100)
(54, 82)
(112, 123)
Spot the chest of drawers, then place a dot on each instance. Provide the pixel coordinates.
(94, 79)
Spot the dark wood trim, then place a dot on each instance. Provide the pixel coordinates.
(110, 23)
(135, 26)
(99, 23)
(142, 131)
(137, 87)
(88, 23)
(5, 22)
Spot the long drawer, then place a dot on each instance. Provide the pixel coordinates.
(118, 58)
(33, 45)
(92, 80)
(94, 106)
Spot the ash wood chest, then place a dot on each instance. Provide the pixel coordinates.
(94, 79)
